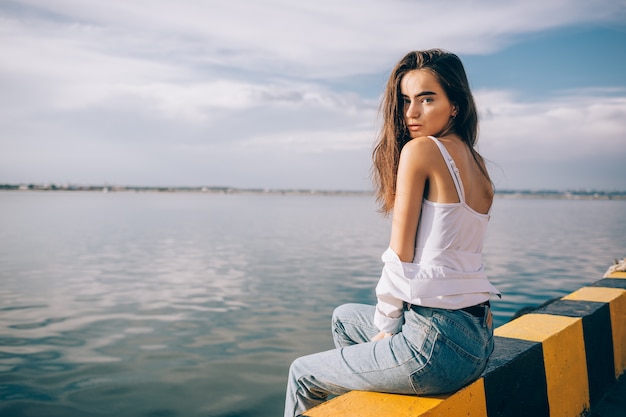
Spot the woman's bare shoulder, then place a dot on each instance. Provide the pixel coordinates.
(420, 144)
(419, 150)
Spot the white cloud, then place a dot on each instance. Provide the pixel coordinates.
(197, 102)
(570, 141)
(574, 124)
(321, 38)
(161, 88)
(308, 141)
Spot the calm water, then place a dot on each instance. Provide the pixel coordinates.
(148, 304)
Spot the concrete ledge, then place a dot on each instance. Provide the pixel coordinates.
(556, 361)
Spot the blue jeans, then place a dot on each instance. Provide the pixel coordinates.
(438, 351)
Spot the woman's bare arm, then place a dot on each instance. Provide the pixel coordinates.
(413, 172)
(410, 184)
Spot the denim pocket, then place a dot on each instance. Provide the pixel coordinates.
(419, 332)
(447, 369)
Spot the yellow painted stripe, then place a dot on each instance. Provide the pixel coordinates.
(616, 297)
(617, 274)
(618, 322)
(469, 401)
(535, 327)
(564, 357)
(566, 372)
(360, 403)
(597, 294)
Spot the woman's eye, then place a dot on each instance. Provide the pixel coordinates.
(427, 100)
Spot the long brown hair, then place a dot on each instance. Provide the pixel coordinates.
(449, 71)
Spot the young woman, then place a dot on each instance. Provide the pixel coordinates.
(431, 330)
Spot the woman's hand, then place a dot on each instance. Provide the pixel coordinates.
(381, 336)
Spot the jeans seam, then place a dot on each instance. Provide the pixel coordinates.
(357, 323)
(399, 365)
(467, 332)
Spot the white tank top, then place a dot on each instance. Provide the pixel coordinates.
(447, 269)
(450, 234)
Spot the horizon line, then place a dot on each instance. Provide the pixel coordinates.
(222, 188)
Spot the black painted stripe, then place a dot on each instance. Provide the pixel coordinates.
(611, 283)
(515, 379)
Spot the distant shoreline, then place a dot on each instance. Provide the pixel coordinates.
(546, 194)
(564, 195)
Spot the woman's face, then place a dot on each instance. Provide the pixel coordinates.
(427, 110)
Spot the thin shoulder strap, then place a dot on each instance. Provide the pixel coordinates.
(454, 171)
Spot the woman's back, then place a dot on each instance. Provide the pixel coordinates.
(477, 187)
(450, 233)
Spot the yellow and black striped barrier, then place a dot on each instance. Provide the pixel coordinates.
(556, 361)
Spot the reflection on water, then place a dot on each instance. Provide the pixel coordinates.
(195, 304)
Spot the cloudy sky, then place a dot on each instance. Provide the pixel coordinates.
(284, 93)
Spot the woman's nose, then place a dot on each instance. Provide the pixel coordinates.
(412, 111)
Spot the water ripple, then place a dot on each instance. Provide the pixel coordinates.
(188, 305)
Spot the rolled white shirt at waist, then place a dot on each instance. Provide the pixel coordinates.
(460, 282)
